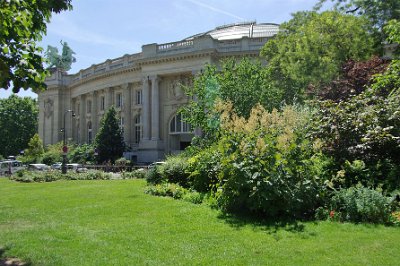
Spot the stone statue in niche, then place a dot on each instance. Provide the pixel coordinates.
(48, 108)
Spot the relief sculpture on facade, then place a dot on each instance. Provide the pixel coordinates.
(48, 107)
(176, 87)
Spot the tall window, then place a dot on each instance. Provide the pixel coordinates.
(89, 107)
(139, 97)
(119, 100)
(178, 125)
(89, 132)
(121, 123)
(102, 103)
(138, 128)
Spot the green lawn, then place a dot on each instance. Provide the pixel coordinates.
(115, 223)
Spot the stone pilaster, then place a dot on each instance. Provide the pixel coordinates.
(82, 119)
(146, 109)
(155, 109)
(109, 98)
(127, 106)
(95, 111)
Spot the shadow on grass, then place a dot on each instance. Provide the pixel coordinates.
(269, 225)
(6, 261)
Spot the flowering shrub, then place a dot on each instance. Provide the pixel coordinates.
(264, 163)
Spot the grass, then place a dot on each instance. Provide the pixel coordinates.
(115, 223)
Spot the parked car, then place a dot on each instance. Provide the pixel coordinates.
(76, 167)
(155, 164)
(56, 166)
(38, 167)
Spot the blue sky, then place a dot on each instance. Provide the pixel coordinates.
(98, 30)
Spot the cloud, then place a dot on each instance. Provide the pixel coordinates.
(217, 10)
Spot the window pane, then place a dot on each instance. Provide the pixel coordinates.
(178, 123)
(172, 125)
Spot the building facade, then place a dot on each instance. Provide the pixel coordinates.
(145, 89)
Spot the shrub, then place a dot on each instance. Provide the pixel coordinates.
(153, 175)
(166, 190)
(360, 204)
(193, 197)
(203, 168)
(267, 163)
(81, 153)
(122, 162)
(175, 170)
(139, 173)
(95, 175)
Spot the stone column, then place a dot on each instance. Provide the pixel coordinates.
(82, 118)
(109, 98)
(127, 106)
(95, 116)
(155, 109)
(146, 109)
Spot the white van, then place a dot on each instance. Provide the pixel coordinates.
(10, 166)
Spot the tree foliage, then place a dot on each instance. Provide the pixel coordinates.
(22, 24)
(242, 82)
(377, 12)
(354, 78)
(35, 150)
(362, 133)
(18, 123)
(311, 48)
(109, 140)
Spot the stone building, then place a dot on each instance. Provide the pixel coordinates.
(145, 89)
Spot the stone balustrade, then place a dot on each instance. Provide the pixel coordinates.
(167, 49)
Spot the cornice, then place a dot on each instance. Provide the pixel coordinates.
(96, 77)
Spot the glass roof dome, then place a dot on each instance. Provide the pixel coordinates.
(240, 30)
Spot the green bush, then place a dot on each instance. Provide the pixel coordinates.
(204, 168)
(83, 153)
(94, 175)
(265, 164)
(360, 204)
(175, 170)
(193, 197)
(50, 176)
(139, 173)
(122, 162)
(166, 190)
(153, 175)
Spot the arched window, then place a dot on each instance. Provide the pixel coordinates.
(138, 128)
(178, 125)
(89, 132)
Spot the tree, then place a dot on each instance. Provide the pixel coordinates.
(35, 150)
(311, 48)
(62, 61)
(109, 140)
(241, 82)
(354, 79)
(378, 13)
(362, 133)
(18, 123)
(23, 23)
